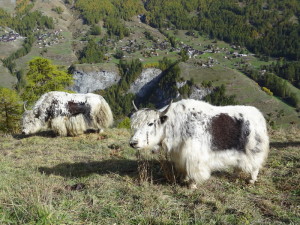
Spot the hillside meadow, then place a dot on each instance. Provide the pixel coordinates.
(94, 179)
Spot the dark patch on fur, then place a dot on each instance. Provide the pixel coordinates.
(75, 108)
(52, 111)
(163, 119)
(228, 133)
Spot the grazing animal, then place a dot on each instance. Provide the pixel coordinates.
(200, 138)
(137, 120)
(67, 114)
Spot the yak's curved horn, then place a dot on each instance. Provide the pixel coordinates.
(167, 109)
(25, 105)
(134, 106)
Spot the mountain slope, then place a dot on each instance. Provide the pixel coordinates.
(210, 59)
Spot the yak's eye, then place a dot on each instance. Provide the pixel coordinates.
(150, 124)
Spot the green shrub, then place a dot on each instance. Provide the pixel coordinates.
(58, 10)
(95, 30)
(124, 123)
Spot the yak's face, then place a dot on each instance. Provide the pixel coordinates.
(148, 127)
(30, 123)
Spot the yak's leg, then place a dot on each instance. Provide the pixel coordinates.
(197, 167)
(254, 174)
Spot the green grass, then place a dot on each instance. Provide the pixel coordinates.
(39, 176)
(7, 48)
(6, 79)
(63, 48)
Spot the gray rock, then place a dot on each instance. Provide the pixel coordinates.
(199, 93)
(145, 82)
(85, 82)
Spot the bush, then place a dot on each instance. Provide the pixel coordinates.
(58, 10)
(95, 30)
(151, 65)
(124, 123)
(267, 91)
(10, 111)
(92, 53)
(219, 97)
(119, 54)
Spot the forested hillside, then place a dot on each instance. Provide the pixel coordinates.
(265, 27)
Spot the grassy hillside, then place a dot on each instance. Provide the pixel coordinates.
(7, 80)
(246, 90)
(93, 179)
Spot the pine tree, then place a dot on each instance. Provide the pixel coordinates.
(43, 77)
(10, 110)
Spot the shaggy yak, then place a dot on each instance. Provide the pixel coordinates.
(200, 138)
(67, 114)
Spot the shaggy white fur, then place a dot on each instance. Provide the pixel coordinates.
(68, 114)
(201, 138)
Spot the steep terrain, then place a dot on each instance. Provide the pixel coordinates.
(90, 78)
(209, 59)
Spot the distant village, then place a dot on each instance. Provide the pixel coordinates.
(132, 46)
(48, 38)
(10, 36)
(44, 39)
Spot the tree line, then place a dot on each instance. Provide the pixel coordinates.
(275, 84)
(287, 70)
(92, 11)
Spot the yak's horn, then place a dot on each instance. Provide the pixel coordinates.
(134, 106)
(25, 105)
(167, 109)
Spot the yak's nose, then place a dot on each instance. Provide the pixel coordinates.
(133, 143)
(23, 132)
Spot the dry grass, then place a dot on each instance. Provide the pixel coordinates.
(97, 179)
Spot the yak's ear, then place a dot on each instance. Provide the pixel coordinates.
(37, 113)
(163, 119)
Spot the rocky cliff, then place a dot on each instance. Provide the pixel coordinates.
(85, 82)
(145, 82)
